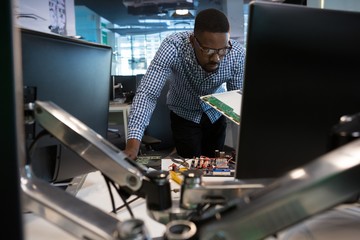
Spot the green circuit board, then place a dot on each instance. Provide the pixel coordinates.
(222, 107)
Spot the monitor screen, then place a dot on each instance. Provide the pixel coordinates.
(12, 151)
(122, 86)
(73, 74)
(301, 76)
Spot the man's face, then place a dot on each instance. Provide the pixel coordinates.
(210, 48)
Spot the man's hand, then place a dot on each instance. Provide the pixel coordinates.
(132, 148)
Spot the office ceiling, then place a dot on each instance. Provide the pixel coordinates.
(127, 14)
(116, 12)
(131, 12)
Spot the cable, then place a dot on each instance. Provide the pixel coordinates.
(33, 145)
(107, 181)
(126, 204)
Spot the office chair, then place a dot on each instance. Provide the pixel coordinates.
(158, 134)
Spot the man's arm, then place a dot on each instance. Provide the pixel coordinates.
(238, 68)
(132, 148)
(146, 96)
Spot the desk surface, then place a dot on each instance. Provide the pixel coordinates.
(339, 223)
(114, 106)
(95, 192)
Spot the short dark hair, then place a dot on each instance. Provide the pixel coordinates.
(211, 20)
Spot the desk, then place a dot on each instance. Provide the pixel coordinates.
(124, 108)
(342, 222)
(93, 191)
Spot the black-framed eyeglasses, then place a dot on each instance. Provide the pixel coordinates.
(211, 51)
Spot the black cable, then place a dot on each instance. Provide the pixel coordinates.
(33, 145)
(107, 181)
(126, 204)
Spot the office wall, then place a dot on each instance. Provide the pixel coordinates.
(51, 16)
(234, 11)
(349, 5)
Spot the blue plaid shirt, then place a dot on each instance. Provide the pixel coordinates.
(176, 62)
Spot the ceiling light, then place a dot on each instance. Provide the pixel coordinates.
(182, 11)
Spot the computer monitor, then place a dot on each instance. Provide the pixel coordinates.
(301, 76)
(11, 150)
(74, 74)
(123, 86)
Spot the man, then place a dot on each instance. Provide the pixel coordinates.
(196, 63)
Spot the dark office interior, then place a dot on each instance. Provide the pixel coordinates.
(294, 157)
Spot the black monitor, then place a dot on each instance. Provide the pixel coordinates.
(301, 76)
(74, 74)
(121, 86)
(12, 151)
